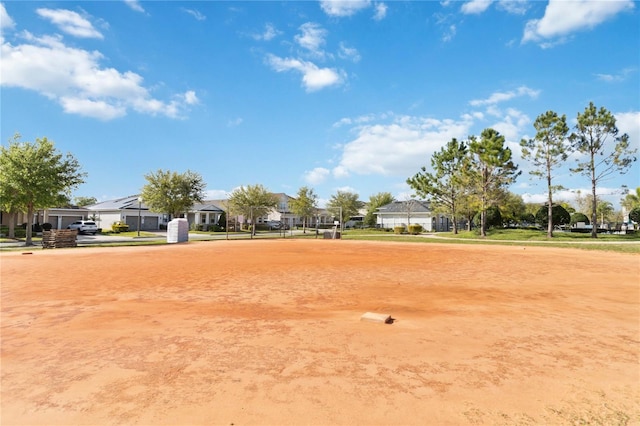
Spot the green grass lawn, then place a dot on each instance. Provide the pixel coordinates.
(629, 243)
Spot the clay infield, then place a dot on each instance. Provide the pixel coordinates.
(269, 333)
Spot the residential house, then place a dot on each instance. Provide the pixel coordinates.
(128, 210)
(204, 215)
(59, 218)
(411, 212)
(281, 213)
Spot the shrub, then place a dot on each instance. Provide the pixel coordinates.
(47, 226)
(119, 227)
(579, 217)
(415, 229)
(559, 215)
(493, 217)
(398, 230)
(634, 214)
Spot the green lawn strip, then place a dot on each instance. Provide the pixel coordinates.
(604, 242)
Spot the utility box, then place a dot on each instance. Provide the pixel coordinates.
(178, 231)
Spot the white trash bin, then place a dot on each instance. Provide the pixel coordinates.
(178, 231)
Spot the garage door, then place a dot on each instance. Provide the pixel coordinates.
(148, 223)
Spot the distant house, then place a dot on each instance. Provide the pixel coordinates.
(205, 214)
(59, 218)
(129, 209)
(282, 213)
(411, 212)
(126, 210)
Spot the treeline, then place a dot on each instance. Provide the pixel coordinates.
(474, 175)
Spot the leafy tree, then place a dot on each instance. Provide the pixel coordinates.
(604, 209)
(512, 208)
(445, 186)
(546, 151)
(469, 206)
(568, 207)
(559, 215)
(375, 202)
(252, 201)
(631, 200)
(493, 217)
(634, 214)
(35, 176)
(305, 205)
(489, 168)
(593, 133)
(171, 192)
(579, 217)
(84, 201)
(343, 205)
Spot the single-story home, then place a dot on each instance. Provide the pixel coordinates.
(127, 210)
(411, 212)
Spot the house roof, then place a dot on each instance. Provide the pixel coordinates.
(205, 207)
(130, 202)
(413, 206)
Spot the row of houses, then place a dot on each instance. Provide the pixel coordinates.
(133, 211)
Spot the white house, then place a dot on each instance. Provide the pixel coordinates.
(404, 213)
(205, 214)
(126, 210)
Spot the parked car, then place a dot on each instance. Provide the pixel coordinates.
(84, 227)
(274, 224)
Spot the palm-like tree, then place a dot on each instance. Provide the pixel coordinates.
(604, 209)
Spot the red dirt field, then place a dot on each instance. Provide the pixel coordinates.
(269, 333)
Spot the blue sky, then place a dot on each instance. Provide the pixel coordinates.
(333, 95)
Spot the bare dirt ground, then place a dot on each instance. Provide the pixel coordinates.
(269, 333)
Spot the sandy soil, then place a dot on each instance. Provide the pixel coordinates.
(269, 333)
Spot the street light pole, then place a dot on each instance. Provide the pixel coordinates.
(139, 207)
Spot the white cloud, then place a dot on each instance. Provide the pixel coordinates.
(5, 20)
(75, 79)
(235, 122)
(91, 108)
(216, 194)
(190, 98)
(134, 5)
(621, 76)
(270, 32)
(498, 97)
(312, 38)
(380, 11)
(195, 13)
(70, 22)
(343, 8)
(316, 176)
(450, 33)
(629, 123)
(515, 7)
(398, 148)
(562, 17)
(350, 53)
(313, 77)
(512, 126)
(475, 7)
